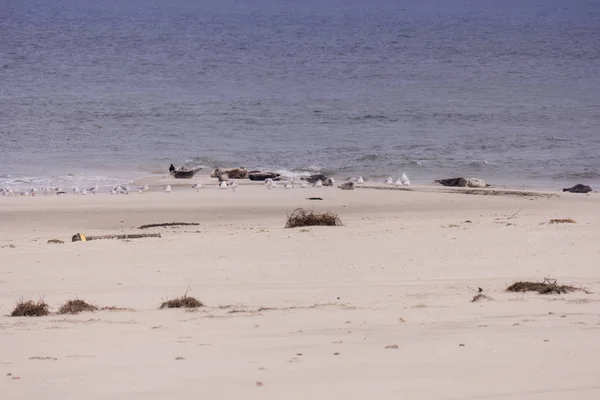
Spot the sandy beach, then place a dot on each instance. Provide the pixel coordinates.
(380, 307)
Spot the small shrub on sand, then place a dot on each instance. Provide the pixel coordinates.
(301, 217)
(549, 286)
(184, 301)
(75, 307)
(30, 309)
(562, 221)
(480, 297)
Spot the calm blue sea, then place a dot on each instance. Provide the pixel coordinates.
(105, 91)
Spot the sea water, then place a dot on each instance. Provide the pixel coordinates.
(106, 91)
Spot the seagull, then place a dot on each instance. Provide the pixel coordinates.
(113, 191)
(289, 185)
(93, 190)
(233, 185)
(124, 189)
(143, 189)
(223, 185)
(33, 191)
(398, 182)
(197, 186)
(360, 180)
(274, 185)
(389, 181)
(167, 189)
(318, 183)
(76, 191)
(84, 192)
(268, 183)
(404, 179)
(303, 185)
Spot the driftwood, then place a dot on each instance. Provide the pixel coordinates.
(78, 237)
(167, 224)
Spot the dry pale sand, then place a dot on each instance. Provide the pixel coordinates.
(302, 313)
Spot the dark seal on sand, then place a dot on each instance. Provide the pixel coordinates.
(261, 176)
(463, 182)
(347, 186)
(579, 188)
(314, 178)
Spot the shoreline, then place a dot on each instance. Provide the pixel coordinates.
(155, 178)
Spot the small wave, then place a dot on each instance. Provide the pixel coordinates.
(369, 117)
(372, 157)
(555, 139)
(61, 181)
(577, 175)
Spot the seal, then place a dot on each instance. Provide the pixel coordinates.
(579, 188)
(314, 178)
(347, 186)
(232, 173)
(261, 176)
(463, 182)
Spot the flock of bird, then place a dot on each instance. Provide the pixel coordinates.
(126, 189)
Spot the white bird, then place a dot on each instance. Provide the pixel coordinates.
(289, 185)
(303, 185)
(389, 181)
(274, 185)
(113, 191)
(84, 192)
(143, 189)
(318, 183)
(268, 183)
(360, 180)
(76, 191)
(223, 185)
(398, 182)
(93, 190)
(33, 191)
(124, 189)
(197, 186)
(233, 185)
(404, 179)
(167, 189)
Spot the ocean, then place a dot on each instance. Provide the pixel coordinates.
(108, 91)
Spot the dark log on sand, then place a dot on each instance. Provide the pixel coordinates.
(167, 224)
(79, 237)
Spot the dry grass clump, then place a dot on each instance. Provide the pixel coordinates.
(30, 309)
(479, 297)
(55, 241)
(562, 221)
(549, 286)
(301, 217)
(75, 307)
(184, 301)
